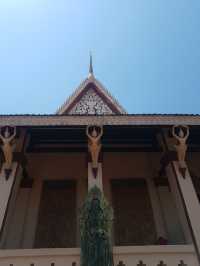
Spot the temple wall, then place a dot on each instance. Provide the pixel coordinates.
(175, 234)
(43, 167)
(128, 165)
(74, 166)
(57, 166)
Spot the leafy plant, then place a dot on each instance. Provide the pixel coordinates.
(95, 228)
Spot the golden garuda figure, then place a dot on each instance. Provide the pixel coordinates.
(181, 133)
(7, 136)
(94, 134)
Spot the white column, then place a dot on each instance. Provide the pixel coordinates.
(5, 191)
(8, 185)
(188, 197)
(191, 202)
(179, 203)
(95, 181)
(11, 205)
(13, 237)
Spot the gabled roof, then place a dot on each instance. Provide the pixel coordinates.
(91, 98)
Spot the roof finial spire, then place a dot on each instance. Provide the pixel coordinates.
(91, 66)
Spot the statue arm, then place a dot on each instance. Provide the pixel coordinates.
(88, 134)
(187, 132)
(101, 133)
(174, 134)
(1, 136)
(87, 131)
(13, 135)
(15, 132)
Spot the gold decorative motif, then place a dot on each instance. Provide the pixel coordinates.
(91, 103)
(7, 135)
(181, 133)
(94, 134)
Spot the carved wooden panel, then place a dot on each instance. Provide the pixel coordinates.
(57, 215)
(91, 103)
(133, 215)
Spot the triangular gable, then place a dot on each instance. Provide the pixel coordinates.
(91, 98)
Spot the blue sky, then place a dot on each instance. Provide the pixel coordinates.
(146, 52)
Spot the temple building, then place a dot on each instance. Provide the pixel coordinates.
(147, 166)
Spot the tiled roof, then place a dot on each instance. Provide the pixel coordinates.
(125, 119)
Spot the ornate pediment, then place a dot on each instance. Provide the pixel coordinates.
(91, 103)
(91, 98)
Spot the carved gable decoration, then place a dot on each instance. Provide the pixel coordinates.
(91, 99)
(91, 103)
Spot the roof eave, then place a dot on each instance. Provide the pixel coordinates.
(76, 120)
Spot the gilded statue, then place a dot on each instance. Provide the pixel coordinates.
(181, 138)
(7, 146)
(94, 143)
(181, 133)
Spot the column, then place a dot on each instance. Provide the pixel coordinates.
(187, 195)
(8, 188)
(179, 203)
(16, 214)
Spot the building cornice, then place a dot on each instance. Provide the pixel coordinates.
(77, 120)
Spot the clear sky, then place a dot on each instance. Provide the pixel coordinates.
(146, 52)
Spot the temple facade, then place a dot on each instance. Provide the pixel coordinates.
(147, 167)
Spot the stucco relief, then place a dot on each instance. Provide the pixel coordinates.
(91, 103)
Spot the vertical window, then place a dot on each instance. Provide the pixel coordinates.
(56, 226)
(133, 215)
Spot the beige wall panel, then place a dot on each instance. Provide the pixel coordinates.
(15, 234)
(57, 166)
(128, 165)
(174, 231)
(51, 167)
